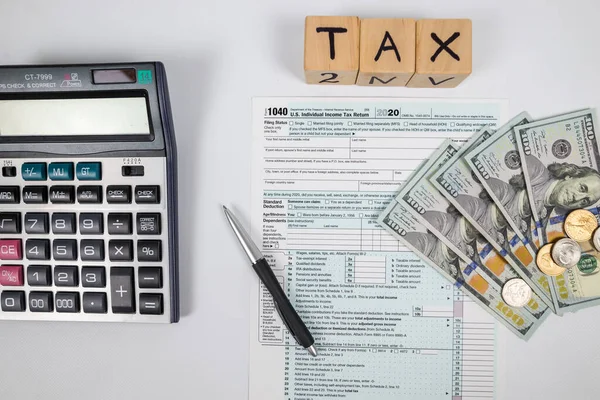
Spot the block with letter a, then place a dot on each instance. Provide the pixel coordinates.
(444, 53)
(331, 50)
(387, 51)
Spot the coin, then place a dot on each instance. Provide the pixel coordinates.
(546, 264)
(566, 252)
(516, 292)
(580, 225)
(587, 264)
(596, 239)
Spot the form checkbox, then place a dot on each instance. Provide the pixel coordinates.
(452, 124)
(349, 123)
(309, 123)
(448, 287)
(360, 215)
(299, 214)
(291, 123)
(418, 351)
(405, 123)
(370, 202)
(290, 206)
(326, 201)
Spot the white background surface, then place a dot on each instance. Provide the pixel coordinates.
(541, 55)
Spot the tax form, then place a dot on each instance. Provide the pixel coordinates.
(386, 325)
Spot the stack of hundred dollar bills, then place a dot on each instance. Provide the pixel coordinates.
(479, 212)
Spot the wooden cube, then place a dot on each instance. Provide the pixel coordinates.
(331, 50)
(444, 53)
(387, 51)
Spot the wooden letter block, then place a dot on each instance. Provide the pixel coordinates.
(331, 50)
(387, 51)
(444, 55)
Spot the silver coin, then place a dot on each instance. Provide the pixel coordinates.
(596, 239)
(566, 252)
(516, 292)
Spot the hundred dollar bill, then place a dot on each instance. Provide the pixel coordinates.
(404, 227)
(462, 189)
(441, 218)
(560, 157)
(496, 163)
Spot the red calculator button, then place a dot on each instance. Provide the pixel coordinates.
(10, 249)
(11, 275)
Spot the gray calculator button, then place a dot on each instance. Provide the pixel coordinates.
(93, 277)
(119, 223)
(122, 293)
(66, 275)
(37, 223)
(147, 194)
(9, 194)
(151, 303)
(63, 223)
(10, 222)
(91, 223)
(12, 301)
(41, 302)
(64, 249)
(94, 303)
(37, 249)
(35, 194)
(150, 277)
(149, 250)
(89, 194)
(67, 302)
(118, 194)
(39, 275)
(91, 250)
(120, 250)
(148, 223)
(62, 194)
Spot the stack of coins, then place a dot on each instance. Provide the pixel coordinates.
(581, 227)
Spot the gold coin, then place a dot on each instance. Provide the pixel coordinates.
(580, 225)
(546, 264)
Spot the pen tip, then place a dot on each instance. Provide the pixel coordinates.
(225, 209)
(312, 350)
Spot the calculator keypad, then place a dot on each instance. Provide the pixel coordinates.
(84, 239)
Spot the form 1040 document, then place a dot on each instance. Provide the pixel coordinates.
(386, 325)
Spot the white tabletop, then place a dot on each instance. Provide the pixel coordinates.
(541, 55)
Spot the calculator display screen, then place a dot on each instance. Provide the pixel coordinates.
(74, 117)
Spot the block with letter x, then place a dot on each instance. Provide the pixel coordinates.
(444, 53)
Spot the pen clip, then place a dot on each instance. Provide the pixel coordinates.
(285, 322)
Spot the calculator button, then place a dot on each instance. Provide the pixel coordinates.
(67, 302)
(120, 250)
(37, 249)
(151, 303)
(150, 277)
(9, 172)
(118, 194)
(9, 194)
(63, 223)
(93, 277)
(88, 171)
(10, 222)
(10, 249)
(33, 171)
(121, 290)
(148, 223)
(94, 303)
(64, 249)
(35, 194)
(62, 171)
(91, 223)
(41, 302)
(13, 301)
(132, 170)
(39, 275)
(149, 250)
(62, 194)
(147, 195)
(11, 275)
(89, 194)
(119, 223)
(37, 223)
(92, 250)
(66, 275)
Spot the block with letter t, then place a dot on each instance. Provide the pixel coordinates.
(331, 50)
(444, 53)
(387, 51)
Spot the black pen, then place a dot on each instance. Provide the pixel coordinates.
(282, 304)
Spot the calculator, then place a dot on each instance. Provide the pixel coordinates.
(88, 194)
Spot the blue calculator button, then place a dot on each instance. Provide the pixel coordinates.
(61, 171)
(89, 171)
(34, 171)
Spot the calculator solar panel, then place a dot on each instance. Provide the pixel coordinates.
(88, 205)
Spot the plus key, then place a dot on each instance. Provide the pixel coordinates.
(10, 249)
